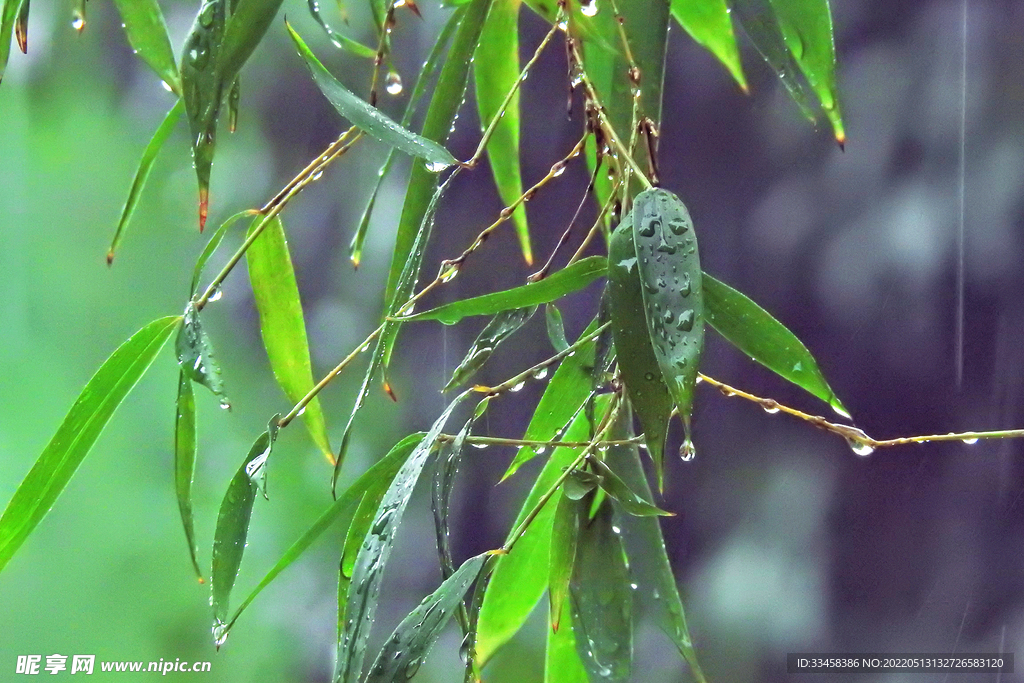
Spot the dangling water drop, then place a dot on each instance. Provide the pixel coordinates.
(770, 407)
(540, 373)
(861, 448)
(394, 83)
(970, 441)
(517, 387)
(78, 21)
(687, 451)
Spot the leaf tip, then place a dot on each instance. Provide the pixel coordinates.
(841, 141)
(110, 258)
(204, 206)
(390, 392)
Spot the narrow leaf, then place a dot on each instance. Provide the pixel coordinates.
(78, 432)
(195, 354)
(233, 526)
(282, 324)
(566, 281)
(561, 661)
(496, 72)
(631, 501)
(185, 463)
(555, 327)
(340, 41)
(369, 119)
(142, 174)
(8, 18)
(501, 327)
(709, 24)
(245, 28)
(361, 603)
(756, 333)
(564, 534)
(579, 483)
(143, 23)
(21, 27)
(404, 651)
(215, 239)
(233, 100)
(446, 466)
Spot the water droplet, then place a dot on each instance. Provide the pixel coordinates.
(770, 407)
(685, 323)
(224, 404)
(649, 376)
(216, 294)
(479, 446)
(589, 9)
(450, 274)
(412, 667)
(650, 227)
(382, 521)
(557, 170)
(540, 373)
(517, 387)
(616, 529)
(684, 288)
(668, 316)
(317, 176)
(206, 17)
(394, 82)
(687, 451)
(167, 86)
(540, 450)
(466, 648)
(436, 166)
(971, 440)
(77, 21)
(678, 227)
(858, 442)
(840, 410)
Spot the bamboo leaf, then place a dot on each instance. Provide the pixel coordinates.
(282, 324)
(564, 534)
(369, 119)
(361, 602)
(756, 333)
(445, 468)
(709, 24)
(668, 263)
(561, 662)
(233, 526)
(195, 354)
(8, 18)
(340, 41)
(566, 281)
(211, 246)
(245, 28)
(631, 501)
(404, 651)
(496, 72)
(602, 601)
(555, 327)
(501, 327)
(185, 463)
(579, 483)
(78, 432)
(21, 27)
(142, 173)
(143, 24)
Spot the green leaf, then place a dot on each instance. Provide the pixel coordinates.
(445, 468)
(709, 24)
(142, 174)
(185, 463)
(501, 327)
(807, 29)
(555, 327)
(638, 366)
(646, 545)
(361, 602)
(282, 324)
(8, 17)
(339, 40)
(78, 432)
(404, 651)
(143, 23)
(602, 601)
(520, 577)
(233, 99)
(233, 526)
(211, 247)
(668, 262)
(195, 354)
(631, 501)
(369, 119)
(579, 483)
(245, 28)
(564, 534)
(496, 72)
(561, 662)
(756, 333)
(566, 281)
(370, 486)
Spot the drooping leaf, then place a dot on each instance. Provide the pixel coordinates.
(565, 281)
(496, 72)
(668, 262)
(502, 326)
(631, 501)
(185, 463)
(370, 119)
(144, 25)
(555, 327)
(78, 432)
(561, 661)
(211, 246)
(361, 602)
(8, 18)
(340, 41)
(445, 468)
(646, 545)
(371, 485)
(282, 323)
(142, 174)
(638, 365)
(756, 333)
(602, 601)
(229, 539)
(404, 651)
(564, 533)
(195, 354)
(807, 29)
(579, 483)
(709, 24)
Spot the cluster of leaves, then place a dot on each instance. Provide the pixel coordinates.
(590, 508)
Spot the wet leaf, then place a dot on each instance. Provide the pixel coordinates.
(195, 354)
(631, 501)
(756, 333)
(602, 600)
(78, 432)
(282, 324)
(185, 463)
(579, 483)
(142, 174)
(638, 365)
(709, 24)
(646, 545)
(445, 468)
(565, 281)
(233, 99)
(215, 239)
(555, 327)
(561, 662)
(369, 119)
(144, 26)
(8, 18)
(361, 602)
(501, 327)
(668, 262)
(569, 513)
(339, 40)
(496, 71)
(229, 539)
(245, 28)
(404, 651)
